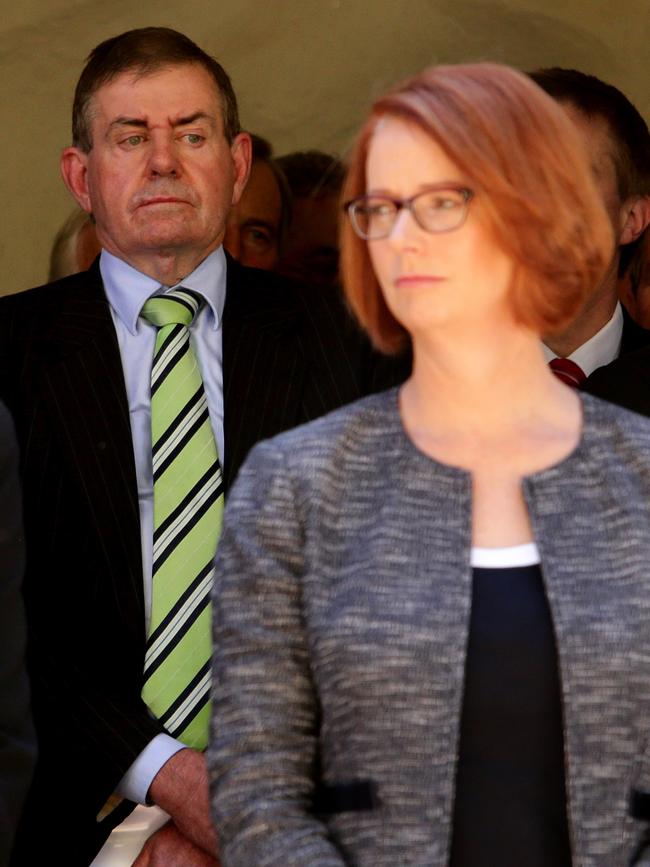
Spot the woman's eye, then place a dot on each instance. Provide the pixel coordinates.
(382, 209)
(442, 203)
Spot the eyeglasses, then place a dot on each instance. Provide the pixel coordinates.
(439, 209)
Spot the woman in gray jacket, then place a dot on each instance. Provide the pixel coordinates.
(432, 608)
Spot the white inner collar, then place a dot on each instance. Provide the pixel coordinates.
(515, 555)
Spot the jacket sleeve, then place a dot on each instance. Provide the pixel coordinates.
(265, 714)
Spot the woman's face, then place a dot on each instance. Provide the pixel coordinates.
(430, 280)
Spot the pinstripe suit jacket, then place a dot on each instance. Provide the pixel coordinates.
(287, 358)
(17, 739)
(341, 613)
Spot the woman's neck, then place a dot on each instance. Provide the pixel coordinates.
(488, 403)
(490, 383)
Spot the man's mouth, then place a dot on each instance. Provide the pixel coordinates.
(163, 200)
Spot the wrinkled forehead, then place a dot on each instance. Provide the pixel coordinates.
(189, 84)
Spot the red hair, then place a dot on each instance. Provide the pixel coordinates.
(526, 160)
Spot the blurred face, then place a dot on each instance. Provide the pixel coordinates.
(253, 228)
(600, 146)
(430, 280)
(627, 228)
(161, 176)
(87, 247)
(312, 248)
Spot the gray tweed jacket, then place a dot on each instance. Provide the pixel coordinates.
(341, 616)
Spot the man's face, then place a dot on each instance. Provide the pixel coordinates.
(253, 228)
(601, 149)
(160, 177)
(312, 248)
(600, 146)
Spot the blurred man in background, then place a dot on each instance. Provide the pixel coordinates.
(257, 225)
(75, 246)
(311, 252)
(617, 138)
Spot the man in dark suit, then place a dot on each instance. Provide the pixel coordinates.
(17, 739)
(158, 160)
(618, 141)
(257, 224)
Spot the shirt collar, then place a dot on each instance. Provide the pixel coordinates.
(600, 349)
(128, 289)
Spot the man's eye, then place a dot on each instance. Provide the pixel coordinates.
(134, 140)
(260, 239)
(193, 138)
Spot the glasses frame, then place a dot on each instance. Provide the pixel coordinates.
(407, 203)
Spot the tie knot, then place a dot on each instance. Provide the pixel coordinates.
(568, 371)
(175, 308)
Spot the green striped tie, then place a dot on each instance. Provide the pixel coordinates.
(188, 506)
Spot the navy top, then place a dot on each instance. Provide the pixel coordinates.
(510, 802)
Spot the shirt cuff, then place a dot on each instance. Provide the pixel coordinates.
(135, 783)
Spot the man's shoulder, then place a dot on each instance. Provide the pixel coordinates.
(625, 381)
(317, 318)
(87, 284)
(260, 291)
(41, 306)
(634, 336)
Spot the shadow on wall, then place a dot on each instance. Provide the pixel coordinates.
(505, 32)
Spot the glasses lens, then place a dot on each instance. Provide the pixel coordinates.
(440, 210)
(372, 217)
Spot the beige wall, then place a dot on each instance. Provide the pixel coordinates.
(303, 70)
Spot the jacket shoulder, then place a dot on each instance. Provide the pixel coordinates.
(359, 430)
(42, 303)
(618, 434)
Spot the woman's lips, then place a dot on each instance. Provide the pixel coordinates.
(414, 280)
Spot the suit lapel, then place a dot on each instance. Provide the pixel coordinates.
(263, 366)
(83, 385)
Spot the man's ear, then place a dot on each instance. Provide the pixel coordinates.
(241, 150)
(635, 218)
(74, 167)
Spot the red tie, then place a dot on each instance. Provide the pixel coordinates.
(568, 371)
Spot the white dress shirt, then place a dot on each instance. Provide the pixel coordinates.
(127, 290)
(600, 349)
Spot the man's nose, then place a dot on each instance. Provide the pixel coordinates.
(163, 158)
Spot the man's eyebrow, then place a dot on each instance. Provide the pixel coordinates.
(139, 123)
(192, 118)
(128, 121)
